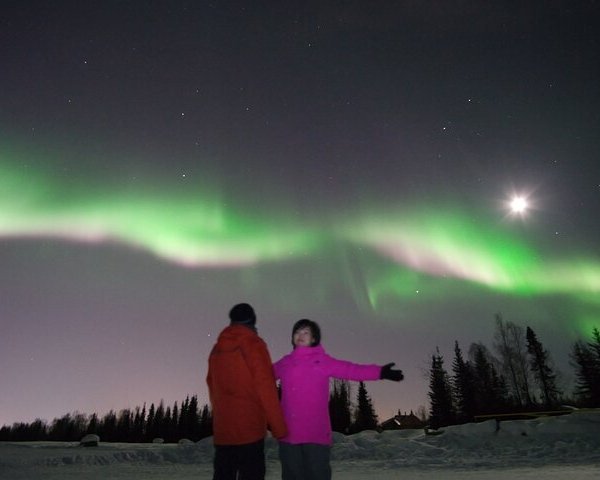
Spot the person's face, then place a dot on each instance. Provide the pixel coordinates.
(303, 337)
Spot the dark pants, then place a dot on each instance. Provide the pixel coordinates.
(304, 461)
(240, 462)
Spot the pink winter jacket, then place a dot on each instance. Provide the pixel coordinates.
(304, 375)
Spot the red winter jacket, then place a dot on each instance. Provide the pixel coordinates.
(242, 388)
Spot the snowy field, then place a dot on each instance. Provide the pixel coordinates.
(565, 447)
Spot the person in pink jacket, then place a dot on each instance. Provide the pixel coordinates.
(304, 375)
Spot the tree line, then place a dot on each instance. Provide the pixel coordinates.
(348, 418)
(521, 377)
(171, 424)
(184, 420)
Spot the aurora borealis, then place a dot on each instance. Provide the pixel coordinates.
(195, 229)
(345, 163)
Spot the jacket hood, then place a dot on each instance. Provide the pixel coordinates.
(231, 337)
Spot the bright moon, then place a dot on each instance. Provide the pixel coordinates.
(518, 204)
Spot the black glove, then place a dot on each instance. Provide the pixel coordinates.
(387, 373)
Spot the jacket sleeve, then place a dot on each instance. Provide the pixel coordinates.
(259, 362)
(352, 371)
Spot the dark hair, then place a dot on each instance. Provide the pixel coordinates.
(242, 313)
(315, 330)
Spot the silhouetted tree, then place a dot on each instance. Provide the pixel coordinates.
(107, 428)
(510, 345)
(491, 396)
(172, 432)
(441, 412)
(206, 429)
(149, 430)
(364, 415)
(128, 426)
(92, 426)
(24, 432)
(69, 428)
(464, 388)
(124, 426)
(165, 427)
(585, 357)
(184, 417)
(192, 430)
(539, 360)
(159, 420)
(38, 430)
(339, 406)
(137, 428)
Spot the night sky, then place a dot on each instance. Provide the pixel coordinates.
(352, 162)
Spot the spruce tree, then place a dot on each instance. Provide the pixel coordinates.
(205, 422)
(339, 406)
(149, 430)
(193, 420)
(157, 426)
(463, 383)
(137, 429)
(143, 422)
(542, 371)
(441, 412)
(489, 386)
(173, 425)
(183, 418)
(124, 426)
(165, 426)
(585, 357)
(364, 417)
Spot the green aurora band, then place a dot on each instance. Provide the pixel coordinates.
(451, 244)
(447, 248)
(188, 229)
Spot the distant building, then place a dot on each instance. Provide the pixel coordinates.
(402, 422)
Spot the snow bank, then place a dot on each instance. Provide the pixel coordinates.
(572, 439)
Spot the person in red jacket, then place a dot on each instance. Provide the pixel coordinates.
(244, 398)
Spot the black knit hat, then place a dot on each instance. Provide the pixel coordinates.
(315, 330)
(242, 314)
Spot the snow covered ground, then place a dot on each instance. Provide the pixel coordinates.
(546, 448)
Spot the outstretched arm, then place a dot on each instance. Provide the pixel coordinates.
(352, 371)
